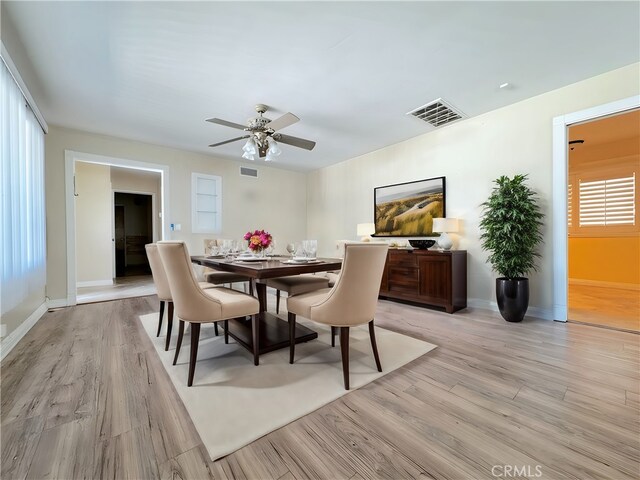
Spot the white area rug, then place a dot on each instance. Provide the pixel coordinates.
(232, 402)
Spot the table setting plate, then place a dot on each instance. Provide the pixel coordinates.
(300, 262)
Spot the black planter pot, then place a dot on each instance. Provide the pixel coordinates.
(513, 298)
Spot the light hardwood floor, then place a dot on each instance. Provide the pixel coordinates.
(85, 396)
(123, 287)
(610, 307)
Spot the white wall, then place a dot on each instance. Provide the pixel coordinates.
(276, 201)
(471, 154)
(93, 223)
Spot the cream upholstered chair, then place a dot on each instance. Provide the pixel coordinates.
(163, 291)
(332, 277)
(351, 302)
(295, 285)
(196, 305)
(218, 277)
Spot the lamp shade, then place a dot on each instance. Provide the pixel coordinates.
(449, 225)
(364, 229)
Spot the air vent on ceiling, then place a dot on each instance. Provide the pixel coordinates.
(437, 113)
(248, 172)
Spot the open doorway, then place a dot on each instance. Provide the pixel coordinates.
(602, 223)
(118, 210)
(133, 229)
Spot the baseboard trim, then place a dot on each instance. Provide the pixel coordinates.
(95, 283)
(58, 303)
(537, 312)
(598, 283)
(14, 337)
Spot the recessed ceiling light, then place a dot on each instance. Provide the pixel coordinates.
(505, 85)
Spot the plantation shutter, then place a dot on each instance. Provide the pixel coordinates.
(609, 201)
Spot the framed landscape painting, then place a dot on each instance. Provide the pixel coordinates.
(408, 209)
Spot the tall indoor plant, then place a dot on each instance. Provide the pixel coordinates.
(510, 227)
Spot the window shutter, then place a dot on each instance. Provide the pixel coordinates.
(607, 202)
(569, 206)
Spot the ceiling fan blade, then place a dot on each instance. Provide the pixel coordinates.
(295, 141)
(226, 123)
(283, 121)
(229, 141)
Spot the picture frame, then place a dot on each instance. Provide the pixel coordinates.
(408, 209)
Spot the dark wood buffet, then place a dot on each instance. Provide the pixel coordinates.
(429, 277)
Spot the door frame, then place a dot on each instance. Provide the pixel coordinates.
(559, 188)
(154, 225)
(70, 159)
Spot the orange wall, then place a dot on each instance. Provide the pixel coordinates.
(615, 259)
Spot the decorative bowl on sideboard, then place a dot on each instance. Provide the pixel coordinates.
(422, 244)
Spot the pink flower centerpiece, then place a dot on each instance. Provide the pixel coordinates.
(258, 240)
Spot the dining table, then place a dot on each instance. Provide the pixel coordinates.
(273, 330)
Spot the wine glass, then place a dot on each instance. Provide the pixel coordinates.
(235, 247)
(226, 247)
(269, 250)
(291, 248)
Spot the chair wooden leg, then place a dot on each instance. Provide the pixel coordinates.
(226, 331)
(179, 344)
(344, 348)
(255, 331)
(160, 317)
(169, 326)
(334, 332)
(195, 338)
(374, 345)
(215, 328)
(277, 301)
(292, 336)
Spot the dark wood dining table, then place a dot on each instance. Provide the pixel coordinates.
(274, 331)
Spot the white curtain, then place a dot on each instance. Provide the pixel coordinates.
(22, 203)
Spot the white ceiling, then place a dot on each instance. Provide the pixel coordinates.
(155, 71)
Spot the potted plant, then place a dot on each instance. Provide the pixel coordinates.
(510, 227)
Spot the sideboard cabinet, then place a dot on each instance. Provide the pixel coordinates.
(428, 277)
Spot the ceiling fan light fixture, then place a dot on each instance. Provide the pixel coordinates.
(250, 148)
(273, 151)
(274, 148)
(261, 133)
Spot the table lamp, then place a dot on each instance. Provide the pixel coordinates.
(365, 230)
(444, 226)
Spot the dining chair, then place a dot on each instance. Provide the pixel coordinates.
(295, 285)
(162, 288)
(351, 302)
(218, 277)
(332, 277)
(197, 306)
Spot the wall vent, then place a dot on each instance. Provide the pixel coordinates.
(248, 172)
(437, 113)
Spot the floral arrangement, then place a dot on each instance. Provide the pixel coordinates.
(258, 240)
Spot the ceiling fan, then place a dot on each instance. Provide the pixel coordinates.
(263, 133)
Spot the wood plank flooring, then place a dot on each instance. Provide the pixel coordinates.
(123, 287)
(85, 396)
(611, 307)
